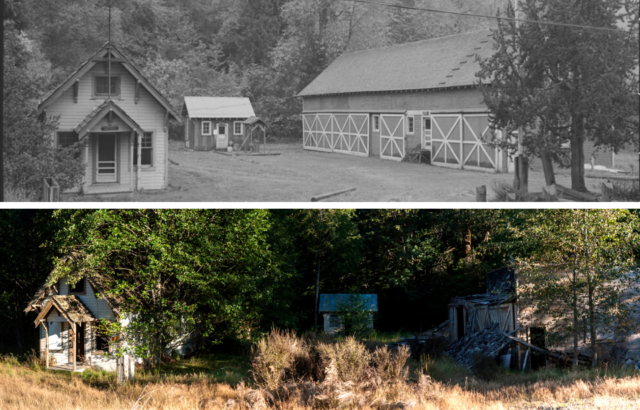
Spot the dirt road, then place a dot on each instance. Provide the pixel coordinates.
(297, 175)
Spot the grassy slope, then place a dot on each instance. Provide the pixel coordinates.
(208, 382)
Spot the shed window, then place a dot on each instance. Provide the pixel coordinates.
(146, 155)
(376, 123)
(410, 125)
(206, 127)
(102, 85)
(55, 336)
(79, 287)
(238, 128)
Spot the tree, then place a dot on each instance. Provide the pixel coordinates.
(29, 152)
(354, 315)
(555, 84)
(579, 271)
(173, 272)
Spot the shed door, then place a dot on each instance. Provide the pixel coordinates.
(392, 144)
(476, 153)
(106, 164)
(317, 132)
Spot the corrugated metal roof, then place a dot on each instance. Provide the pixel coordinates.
(218, 107)
(329, 302)
(436, 63)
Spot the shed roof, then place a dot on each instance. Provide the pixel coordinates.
(217, 107)
(429, 64)
(330, 302)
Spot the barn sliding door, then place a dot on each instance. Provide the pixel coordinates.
(460, 141)
(392, 143)
(351, 134)
(343, 133)
(316, 132)
(476, 153)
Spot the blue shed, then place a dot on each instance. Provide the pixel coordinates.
(329, 304)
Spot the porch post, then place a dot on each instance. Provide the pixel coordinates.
(139, 162)
(75, 346)
(87, 172)
(131, 137)
(45, 325)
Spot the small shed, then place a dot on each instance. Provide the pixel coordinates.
(330, 303)
(215, 122)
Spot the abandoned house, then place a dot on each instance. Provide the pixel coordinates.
(120, 119)
(331, 303)
(215, 123)
(67, 317)
(500, 307)
(419, 97)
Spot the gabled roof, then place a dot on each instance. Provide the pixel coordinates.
(98, 114)
(437, 63)
(253, 120)
(330, 302)
(217, 107)
(126, 63)
(70, 307)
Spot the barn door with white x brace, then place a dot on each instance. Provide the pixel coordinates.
(476, 153)
(351, 134)
(316, 132)
(392, 137)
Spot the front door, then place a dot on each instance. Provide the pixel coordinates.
(80, 342)
(222, 139)
(106, 164)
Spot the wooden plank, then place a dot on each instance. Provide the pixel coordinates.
(481, 193)
(325, 196)
(576, 195)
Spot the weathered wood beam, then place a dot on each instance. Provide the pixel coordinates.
(45, 324)
(75, 346)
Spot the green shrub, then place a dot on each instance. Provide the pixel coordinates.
(349, 357)
(278, 357)
(9, 360)
(355, 316)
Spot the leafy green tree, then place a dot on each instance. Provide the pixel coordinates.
(173, 272)
(355, 317)
(557, 83)
(29, 152)
(578, 273)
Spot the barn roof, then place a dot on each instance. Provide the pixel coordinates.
(217, 107)
(429, 64)
(330, 302)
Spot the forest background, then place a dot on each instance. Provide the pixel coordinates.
(267, 50)
(250, 270)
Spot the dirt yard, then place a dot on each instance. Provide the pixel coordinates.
(297, 175)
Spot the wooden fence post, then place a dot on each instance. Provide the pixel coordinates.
(481, 193)
(607, 191)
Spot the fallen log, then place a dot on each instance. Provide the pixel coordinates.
(173, 162)
(576, 195)
(332, 194)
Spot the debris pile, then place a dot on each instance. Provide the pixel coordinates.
(485, 343)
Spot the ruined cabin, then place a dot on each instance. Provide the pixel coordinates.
(416, 97)
(331, 303)
(119, 118)
(68, 317)
(500, 305)
(215, 123)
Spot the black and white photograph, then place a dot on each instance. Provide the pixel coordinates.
(270, 101)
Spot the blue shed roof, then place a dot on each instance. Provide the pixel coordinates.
(329, 302)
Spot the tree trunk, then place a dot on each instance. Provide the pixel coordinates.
(575, 319)
(577, 153)
(319, 256)
(547, 167)
(592, 326)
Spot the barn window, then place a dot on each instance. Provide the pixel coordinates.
(410, 125)
(426, 133)
(101, 85)
(55, 336)
(146, 155)
(78, 287)
(206, 127)
(376, 123)
(238, 128)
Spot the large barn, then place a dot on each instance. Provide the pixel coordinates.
(423, 95)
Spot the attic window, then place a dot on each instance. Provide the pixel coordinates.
(101, 85)
(79, 287)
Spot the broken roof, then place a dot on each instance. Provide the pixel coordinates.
(330, 302)
(217, 107)
(442, 62)
(70, 307)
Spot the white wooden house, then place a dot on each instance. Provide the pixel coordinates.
(120, 118)
(67, 319)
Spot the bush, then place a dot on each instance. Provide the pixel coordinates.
(350, 358)
(486, 368)
(279, 357)
(626, 191)
(9, 360)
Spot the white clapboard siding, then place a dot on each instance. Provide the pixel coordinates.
(43, 341)
(98, 306)
(88, 339)
(147, 113)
